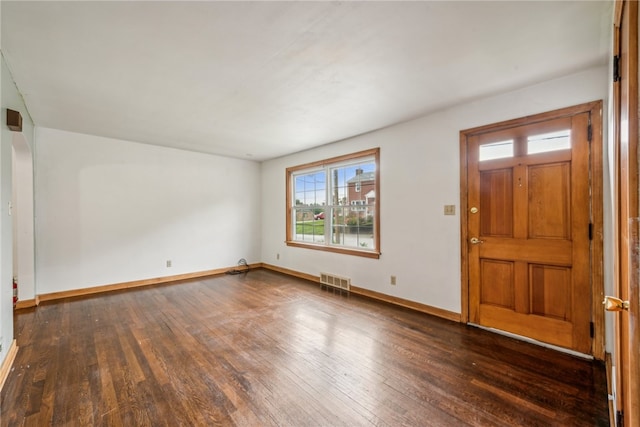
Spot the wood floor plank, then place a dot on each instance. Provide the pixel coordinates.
(265, 349)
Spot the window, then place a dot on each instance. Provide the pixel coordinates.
(496, 150)
(332, 205)
(356, 203)
(549, 142)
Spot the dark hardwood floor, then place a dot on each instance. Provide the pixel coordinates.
(267, 349)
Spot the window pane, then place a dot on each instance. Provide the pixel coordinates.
(309, 227)
(496, 150)
(353, 227)
(353, 194)
(338, 221)
(310, 189)
(549, 142)
(354, 182)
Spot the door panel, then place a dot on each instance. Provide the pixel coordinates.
(529, 267)
(550, 291)
(549, 196)
(496, 198)
(501, 275)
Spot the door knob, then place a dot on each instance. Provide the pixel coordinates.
(615, 304)
(475, 241)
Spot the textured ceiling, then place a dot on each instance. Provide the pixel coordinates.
(263, 79)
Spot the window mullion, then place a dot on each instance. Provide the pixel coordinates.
(328, 216)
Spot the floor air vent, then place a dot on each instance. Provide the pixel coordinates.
(335, 281)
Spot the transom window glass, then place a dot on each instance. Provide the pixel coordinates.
(552, 141)
(496, 150)
(333, 204)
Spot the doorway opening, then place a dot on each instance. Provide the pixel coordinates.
(23, 221)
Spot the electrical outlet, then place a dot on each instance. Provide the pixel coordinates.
(393, 280)
(168, 263)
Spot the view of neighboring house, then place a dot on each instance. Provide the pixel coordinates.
(361, 193)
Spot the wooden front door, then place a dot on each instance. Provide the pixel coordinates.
(625, 126)
(529, 227)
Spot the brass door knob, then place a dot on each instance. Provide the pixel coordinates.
(475, 241)
(615, 304)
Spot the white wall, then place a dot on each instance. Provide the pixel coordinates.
(111, 211)
(420, 173)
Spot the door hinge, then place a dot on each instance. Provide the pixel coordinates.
(619, 418)
(590, 231)
(592, 330)
(616, 68)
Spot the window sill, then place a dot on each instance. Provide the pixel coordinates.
(339, 250)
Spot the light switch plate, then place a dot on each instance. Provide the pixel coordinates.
(449, 209)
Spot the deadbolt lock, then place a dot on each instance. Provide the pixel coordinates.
(473, 210)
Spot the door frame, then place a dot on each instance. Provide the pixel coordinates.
(626, 340)
(596, 189)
